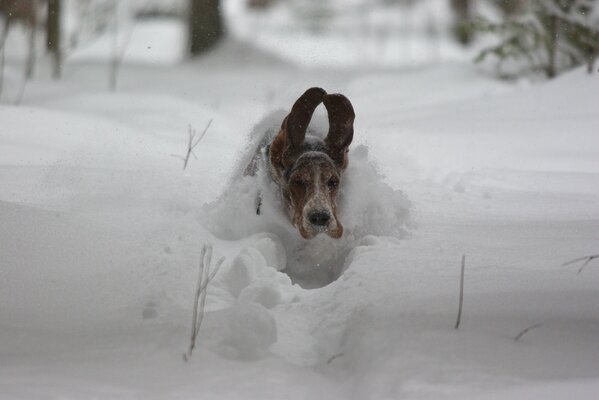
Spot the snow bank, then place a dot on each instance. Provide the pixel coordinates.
(487, 127)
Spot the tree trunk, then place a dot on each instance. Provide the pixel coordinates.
(2, 51)
(53, 36)
(463, 17)
(30, 65)
(552, 47)
(205, 25)
(510, 7)
(594, 54)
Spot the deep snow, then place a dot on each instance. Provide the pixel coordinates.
(102, 230)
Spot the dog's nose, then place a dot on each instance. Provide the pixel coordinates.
(319, 218)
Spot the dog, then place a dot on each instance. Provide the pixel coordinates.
(306, 169)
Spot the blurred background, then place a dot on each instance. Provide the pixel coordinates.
(512, 38)
(475, 134)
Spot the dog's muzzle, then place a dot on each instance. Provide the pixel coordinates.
(319, 218)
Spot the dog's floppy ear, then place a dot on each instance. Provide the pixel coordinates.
(341, 127)
(296, 123)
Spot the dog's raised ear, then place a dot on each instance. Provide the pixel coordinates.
(341, 127)
(296, 123)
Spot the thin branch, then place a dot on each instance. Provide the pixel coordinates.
(202, 135)
(459, 318)
(525, 331)
(117, 54)
(334, 357)
(192, 142)
(586, 259)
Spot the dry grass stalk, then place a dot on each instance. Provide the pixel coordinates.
(204, 278)
(461, 303)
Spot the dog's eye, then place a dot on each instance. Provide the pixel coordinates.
(332, 183)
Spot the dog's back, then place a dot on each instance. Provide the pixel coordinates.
(260, 136)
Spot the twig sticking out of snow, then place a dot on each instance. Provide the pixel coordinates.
(586, 260)
(2, 53)
(204, 278)
(459, 318)
(525, 331)
(334, 357)
(192, 142)
(117, 54)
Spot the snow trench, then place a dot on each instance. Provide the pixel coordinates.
(272, 266)
(367, 206)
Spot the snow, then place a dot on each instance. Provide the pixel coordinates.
(154, 42)
(101, 233)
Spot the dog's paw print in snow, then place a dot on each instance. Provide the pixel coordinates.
(459, 187)
(272, 250)
(264, 292)
(254, 275)
(247, 328)
(244, 331)
(243, 270)
(150, 310)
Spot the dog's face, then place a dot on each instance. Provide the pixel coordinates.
(310, 193)
(309, 170)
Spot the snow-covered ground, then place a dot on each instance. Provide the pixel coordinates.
(101, 233)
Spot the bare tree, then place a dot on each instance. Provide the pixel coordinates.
(552, 43)
(24, 12)
(53, 35)
(206, 26)
(594, 55)
(549, 36)
(510, 7)
(462, 28)
(118, 50)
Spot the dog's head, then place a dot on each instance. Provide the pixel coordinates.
(308, 169)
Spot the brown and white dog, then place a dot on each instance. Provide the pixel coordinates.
(308, 169)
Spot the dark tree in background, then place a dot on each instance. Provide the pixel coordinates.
(510, 7)
(25, 13)
(206, 25)
(546, 36)
(462, 28)
(53, 35)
